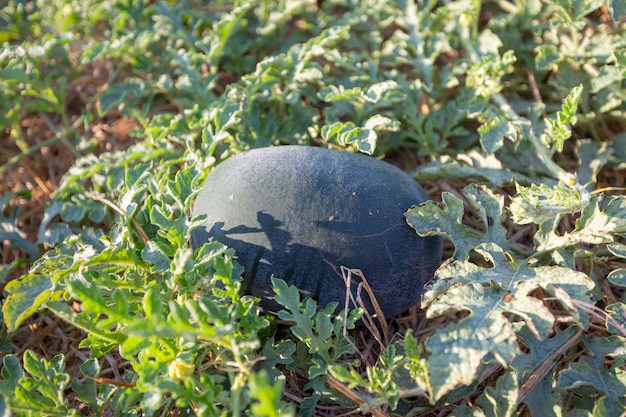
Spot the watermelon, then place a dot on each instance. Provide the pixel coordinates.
(301, 213)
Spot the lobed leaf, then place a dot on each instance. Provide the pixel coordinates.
(473, 164)
(429, 219)
(487, 299)
(494, 131)
(591, 371)
(26, 296)
(541, 203)
(498, 401)
(600, 221)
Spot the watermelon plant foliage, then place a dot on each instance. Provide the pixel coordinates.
(495, 104)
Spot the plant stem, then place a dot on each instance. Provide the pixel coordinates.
(61, 135)
(31, 150)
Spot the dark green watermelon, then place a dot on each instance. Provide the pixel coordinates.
(300, 213)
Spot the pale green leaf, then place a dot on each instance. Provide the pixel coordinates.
(377, 91)
(364, 139)
(500, 401)
(494, 131)
(473, 164)
(378, 121)
(608, 75)
(87, 390)
(9, 229)
(545, 399)
(5, 410)
(540, 203)
(430, 219)
(44, 389)
(602, 218)
(557, 129)
(459, 350)
(593, 157)
(539, 350)
(153, 254)
(485, 76)
(11, 374)
(118, 94)
(490, 296)
(568, 287)
(616, 320)
(347, 133)
(547, 56)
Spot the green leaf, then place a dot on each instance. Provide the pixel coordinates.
(547, 56)
(429, 219)
(347, 133)
(268, 397)
(617, 276)
(118, 95)
(557, 129)
(490, 297)
(602, 218)
(617, 249)
(26, 295)
(381, 122)
(500, 401)
(541, 203)
(275, 354)
(112, 310)
(591, 371)
(608, 75)
(593, 157)
(486, 168)
(87, 390)
(459, 350)
(43, 391)
(153, 254)
(494, 131)
(11, 374)
(485, 76)
(318, 330)
(376, 92)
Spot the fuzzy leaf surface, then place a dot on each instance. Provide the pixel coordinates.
(599, 222)
(430, 219)
(490, 297)
(591, 371)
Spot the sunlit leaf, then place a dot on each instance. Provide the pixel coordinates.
(26, 296)
(430, 219)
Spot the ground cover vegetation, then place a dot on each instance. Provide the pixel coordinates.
(510, 113)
